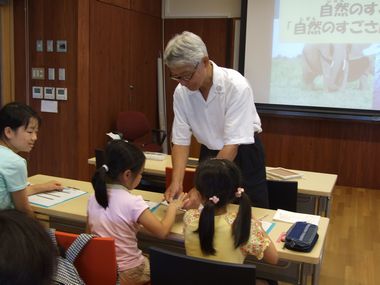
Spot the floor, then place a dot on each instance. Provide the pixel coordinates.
(352, 252)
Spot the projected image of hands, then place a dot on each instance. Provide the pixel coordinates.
(336, 64)
(325, 54)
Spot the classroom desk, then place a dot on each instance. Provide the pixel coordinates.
(314, 184)
(76, 209)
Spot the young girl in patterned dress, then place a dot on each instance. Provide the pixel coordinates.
(217, 232)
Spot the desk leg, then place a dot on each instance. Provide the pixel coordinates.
(324, 205)
(302, 278)
(317, 205)
(315, 274)
(328, 206)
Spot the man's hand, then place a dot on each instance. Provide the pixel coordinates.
(194, 200)
(173, 190)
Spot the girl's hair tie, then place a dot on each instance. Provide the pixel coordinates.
(105, 167)
(238, 192)
(214, 199)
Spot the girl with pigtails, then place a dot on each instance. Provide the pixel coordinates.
(217, 232)
(114, 211)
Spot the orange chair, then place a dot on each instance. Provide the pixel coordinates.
(96, 263)
(188, 179)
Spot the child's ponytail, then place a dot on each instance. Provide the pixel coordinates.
(207, 227)
(100, 187)
(241, 227)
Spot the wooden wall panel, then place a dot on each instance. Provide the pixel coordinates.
(98, 64)
(150, 7)
(120, 3)
(217, 35)
(6, 52)
(56, 151)
(19, 49)
(123, 67)
(83, 89)
(347, 148)
(143, 61)
(108, 69)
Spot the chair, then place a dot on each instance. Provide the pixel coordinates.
(99, 157)
(96, 264)
(282, 195)
(174, 268)
(134, 126)
(188, 179)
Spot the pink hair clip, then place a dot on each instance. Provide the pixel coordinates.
(239, 191)
(214, 199)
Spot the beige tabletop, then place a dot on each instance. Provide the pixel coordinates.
(76, 209)
(311, 183)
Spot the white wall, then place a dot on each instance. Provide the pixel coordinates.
(201, 8)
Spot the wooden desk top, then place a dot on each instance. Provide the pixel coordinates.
(311, 183)
(76, 209)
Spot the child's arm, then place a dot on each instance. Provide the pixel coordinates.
(43, 187)
(260, 244)
(161, 229)
(270, 253)
(21, 202)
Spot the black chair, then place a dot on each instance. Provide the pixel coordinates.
(282, 195)
(99, 157)
(168, 268)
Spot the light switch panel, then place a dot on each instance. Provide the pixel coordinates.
(38, 73)
(39, 46)
(49, 45)
(51, 73)
(61, 46)
(49, 93)
(37, 92)
(61, 74)
(61, 93)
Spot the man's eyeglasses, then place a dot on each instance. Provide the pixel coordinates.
(186, 77)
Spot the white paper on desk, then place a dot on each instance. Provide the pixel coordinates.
(152, 205)
(292, 217)
(48, 199)
(165, 203)
(267, 226)
(113, 136)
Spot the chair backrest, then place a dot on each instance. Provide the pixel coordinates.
(167, 267)
(96, 263)
(133, 125)
(282, 195)
(188, 179)
(99, 157)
